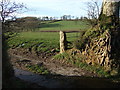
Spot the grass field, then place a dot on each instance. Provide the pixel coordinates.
(40, 41)
(46, 41)
(64, 26)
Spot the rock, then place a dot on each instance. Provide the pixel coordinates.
(63, 44)
(97, 52)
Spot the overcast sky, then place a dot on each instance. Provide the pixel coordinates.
(55, 8)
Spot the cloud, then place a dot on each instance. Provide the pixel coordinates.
(29, 15)
(55, 7)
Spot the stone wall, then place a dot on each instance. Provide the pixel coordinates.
(102, 51)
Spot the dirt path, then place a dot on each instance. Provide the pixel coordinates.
(53, 66)
(63, 81)
(38, 79)
(69, 76)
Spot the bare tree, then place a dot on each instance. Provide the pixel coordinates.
(8, 9)
(93, 11)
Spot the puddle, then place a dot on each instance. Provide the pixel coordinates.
(64, 81)
(38, 79)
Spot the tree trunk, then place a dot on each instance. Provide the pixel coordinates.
(110, 8)
(110, 12)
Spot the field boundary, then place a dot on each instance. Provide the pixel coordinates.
(63, 31)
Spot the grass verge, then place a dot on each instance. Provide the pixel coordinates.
(38, 69)
(75, 58)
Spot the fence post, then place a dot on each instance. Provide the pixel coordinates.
(62, 41)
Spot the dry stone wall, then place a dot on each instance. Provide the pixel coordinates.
(100, 51)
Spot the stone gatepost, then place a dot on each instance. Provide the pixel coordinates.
(63, 42)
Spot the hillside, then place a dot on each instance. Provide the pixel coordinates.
(63, 25)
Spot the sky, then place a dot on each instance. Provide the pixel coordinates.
(54, 8)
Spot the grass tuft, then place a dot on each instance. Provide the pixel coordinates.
(38, 69)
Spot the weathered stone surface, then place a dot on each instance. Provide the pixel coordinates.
(107, 10)
(98, 51)
(62, 41)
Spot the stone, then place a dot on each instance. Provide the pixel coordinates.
(62, 41)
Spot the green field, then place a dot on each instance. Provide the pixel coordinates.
(39, 41)
(64, 26)
(45, 41)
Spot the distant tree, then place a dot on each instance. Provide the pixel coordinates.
(69, 17)
(21, 24)
(61, 18)
(73, 17)
(28, 23)
(64, 17)
(39, 18)
(51, 18)
(76, 20)
(54, 18)
(81, 18)
(47, 18)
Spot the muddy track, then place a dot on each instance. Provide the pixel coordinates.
(55, 81)
(52, 65)
(64, 76)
